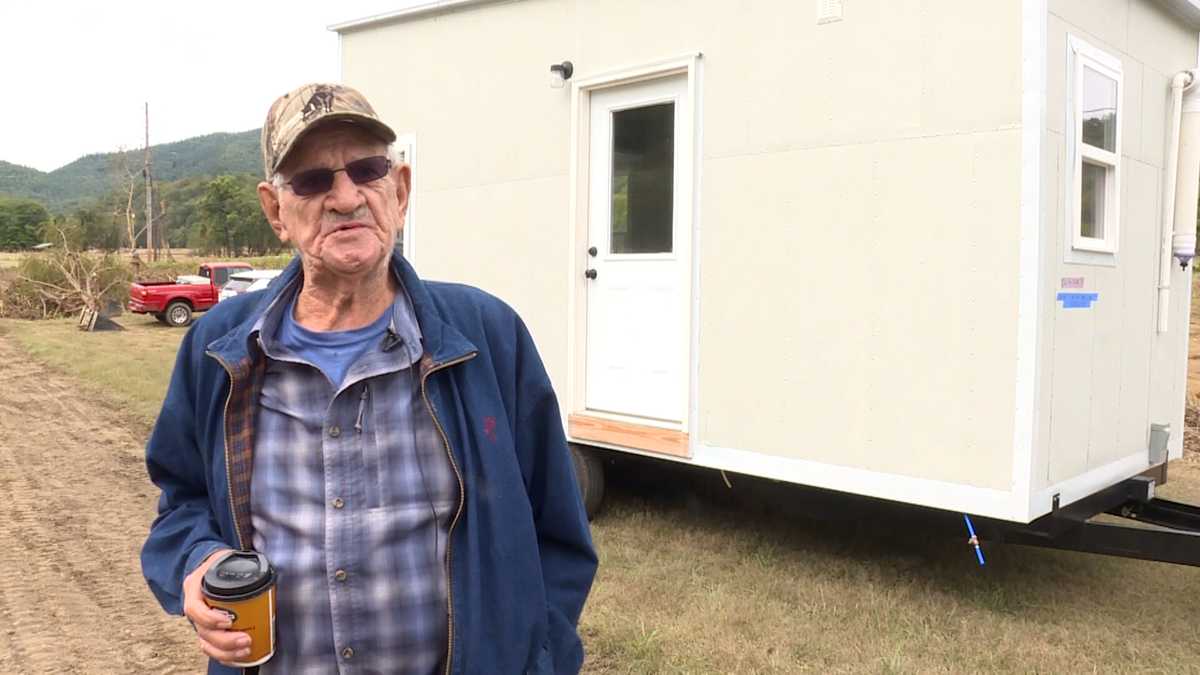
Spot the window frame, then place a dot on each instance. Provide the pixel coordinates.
(406, 143)
(1085, 249)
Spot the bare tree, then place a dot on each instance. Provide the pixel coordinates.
(125, 183)
(78, 280)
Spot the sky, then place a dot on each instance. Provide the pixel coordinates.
(78, 73)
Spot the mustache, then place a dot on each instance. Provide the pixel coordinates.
(332, 220)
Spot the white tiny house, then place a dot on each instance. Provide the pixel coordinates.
(920, 250)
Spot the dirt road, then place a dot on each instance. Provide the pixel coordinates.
(76, 505)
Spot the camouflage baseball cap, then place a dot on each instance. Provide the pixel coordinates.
(296, 112)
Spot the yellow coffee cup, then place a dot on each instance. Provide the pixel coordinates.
(242, 584)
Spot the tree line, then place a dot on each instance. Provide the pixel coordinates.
(212, 215)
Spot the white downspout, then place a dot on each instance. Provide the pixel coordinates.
(1188, 182)
(1181, 80)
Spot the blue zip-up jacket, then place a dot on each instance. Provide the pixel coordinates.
(521, 559)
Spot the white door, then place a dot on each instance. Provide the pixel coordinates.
(637, 285)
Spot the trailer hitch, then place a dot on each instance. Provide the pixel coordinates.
(1158, 529)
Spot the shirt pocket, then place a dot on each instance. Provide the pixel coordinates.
(404, 457)
(394, 462)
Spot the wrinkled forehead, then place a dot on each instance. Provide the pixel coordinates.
(332, 144)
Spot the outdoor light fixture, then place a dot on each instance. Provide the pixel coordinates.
(560, 73)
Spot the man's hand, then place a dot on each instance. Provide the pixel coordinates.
(212, 625)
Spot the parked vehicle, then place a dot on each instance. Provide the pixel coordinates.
(246, 282)
(173, 303)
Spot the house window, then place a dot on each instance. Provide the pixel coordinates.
(1096, 149)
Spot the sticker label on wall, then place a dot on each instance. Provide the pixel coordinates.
(1078, 300)
(829, 11)
(1072, 282)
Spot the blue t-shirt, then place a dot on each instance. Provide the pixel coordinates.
(331, 351)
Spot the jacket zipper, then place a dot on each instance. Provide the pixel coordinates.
(228, 473)
(461, 501)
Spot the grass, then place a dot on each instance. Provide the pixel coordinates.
(765, 578)
(764, 581)
(9, 260)
(129, 369)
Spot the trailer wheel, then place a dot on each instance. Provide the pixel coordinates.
(589, 474)
(179, 314)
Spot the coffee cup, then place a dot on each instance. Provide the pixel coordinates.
(242, 584)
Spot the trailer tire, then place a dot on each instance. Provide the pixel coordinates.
(179, 314)
(589, 474)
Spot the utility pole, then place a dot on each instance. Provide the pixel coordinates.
(151, 247)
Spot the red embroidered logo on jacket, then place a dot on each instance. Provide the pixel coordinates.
(489, 428)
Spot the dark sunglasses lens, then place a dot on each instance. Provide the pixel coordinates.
(367, 169)
(312, 182)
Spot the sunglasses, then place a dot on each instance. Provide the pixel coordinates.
(316, 181)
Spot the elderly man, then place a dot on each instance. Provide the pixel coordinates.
(393, 446)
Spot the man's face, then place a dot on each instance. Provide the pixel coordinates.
(350, 228)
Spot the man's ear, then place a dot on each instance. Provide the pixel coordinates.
(402, 174)
(268, 198)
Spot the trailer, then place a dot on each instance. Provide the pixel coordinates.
(929, 251)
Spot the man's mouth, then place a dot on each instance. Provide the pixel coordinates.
(342, 227)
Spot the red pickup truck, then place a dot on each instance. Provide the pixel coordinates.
(173, 302)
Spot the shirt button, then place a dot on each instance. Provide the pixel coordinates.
(335, 431)
(340, 575)
(347, 653)
(338, 503)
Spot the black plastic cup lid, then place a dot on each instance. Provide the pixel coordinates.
(238, 574)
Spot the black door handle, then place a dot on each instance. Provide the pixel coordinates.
(591, 274)
(592, 251)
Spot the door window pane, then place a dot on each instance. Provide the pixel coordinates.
(643, 179)
(1099, 110)
(1094, 188)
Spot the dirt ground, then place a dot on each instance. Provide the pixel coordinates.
(73, 519)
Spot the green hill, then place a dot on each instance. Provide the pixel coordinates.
(90, 176)
(22, 181)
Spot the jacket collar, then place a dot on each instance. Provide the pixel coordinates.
(442, 342)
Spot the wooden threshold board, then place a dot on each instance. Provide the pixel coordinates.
(626, 435)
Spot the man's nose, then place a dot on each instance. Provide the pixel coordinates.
(344, 196)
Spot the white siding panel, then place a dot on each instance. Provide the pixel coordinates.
(1104, 349)
(1056, 75)
(507, 238)
(1155, 103)
(879, 304)
(1071, 391)
(1139, 255)
(1104, 20)
(1131, 101)
(1053, 158)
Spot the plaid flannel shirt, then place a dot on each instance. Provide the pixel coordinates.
(351, 500)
